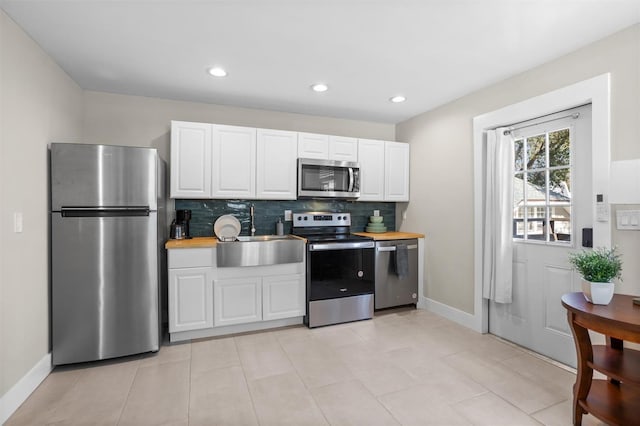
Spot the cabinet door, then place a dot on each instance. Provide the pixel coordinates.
(396, 187)
(283, 296)
(190, 299)
(312, 145)
(237, 300)
(190, 160)
(371, 159)
(342, 148)
(277, 151)
(234, 162)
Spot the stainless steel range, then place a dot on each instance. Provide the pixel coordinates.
(340, 269)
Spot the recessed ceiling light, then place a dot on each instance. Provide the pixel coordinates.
(319, 87)
(217, 72)
(398, 99)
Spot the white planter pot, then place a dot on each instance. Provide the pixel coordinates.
(597, 293)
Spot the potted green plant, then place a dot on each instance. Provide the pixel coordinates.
(598, 268)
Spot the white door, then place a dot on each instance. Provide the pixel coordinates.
(396, 169)
(276, 165)
(237, 301)
(313, 145)
(234, 162)
(190, 160)
(191, 299)
(342, 148)
(552, 204)
(283, 296)
(371, 159)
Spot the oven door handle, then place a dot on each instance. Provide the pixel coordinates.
(393, 248)
(341, 246)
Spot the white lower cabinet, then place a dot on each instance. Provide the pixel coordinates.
(251, 299)
(191, 299)
(283, 296)
(237, 301)
(205, 300)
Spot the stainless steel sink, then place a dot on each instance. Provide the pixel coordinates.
(260, 250)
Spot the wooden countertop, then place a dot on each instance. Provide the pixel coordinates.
(196, 242)
(200, 242)
(379, 236)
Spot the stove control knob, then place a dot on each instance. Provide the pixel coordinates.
(306, 218)
(299, 217)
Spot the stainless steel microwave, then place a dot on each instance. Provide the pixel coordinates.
(328, 179)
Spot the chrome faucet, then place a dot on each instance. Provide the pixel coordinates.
(253, 226)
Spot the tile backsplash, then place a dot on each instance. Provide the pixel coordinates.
(266, 213)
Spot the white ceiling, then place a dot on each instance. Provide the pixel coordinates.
(431, 51)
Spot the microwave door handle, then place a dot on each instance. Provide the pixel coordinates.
(351, 179)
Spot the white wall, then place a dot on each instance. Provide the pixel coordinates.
(39, 103)
(442, 145)
(140, 121)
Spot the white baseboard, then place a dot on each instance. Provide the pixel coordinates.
(233, 329)
(10, 401)
(456, 315)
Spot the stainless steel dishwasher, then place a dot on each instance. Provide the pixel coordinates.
(396, 281)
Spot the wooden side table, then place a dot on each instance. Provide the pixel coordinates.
(615, 401)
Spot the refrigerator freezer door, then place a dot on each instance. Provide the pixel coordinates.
(103, 176)
(104, 287)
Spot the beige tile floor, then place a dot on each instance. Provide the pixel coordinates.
(404, 367)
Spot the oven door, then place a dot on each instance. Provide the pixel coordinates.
(329, 179)
(336, 270)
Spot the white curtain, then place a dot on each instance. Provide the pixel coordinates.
(498, 218)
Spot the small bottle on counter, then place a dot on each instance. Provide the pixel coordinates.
(279, 227)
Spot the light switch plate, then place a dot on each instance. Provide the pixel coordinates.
(628, 220)
(288, 215)
(17, 222)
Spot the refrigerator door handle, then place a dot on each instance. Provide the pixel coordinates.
(104, 211)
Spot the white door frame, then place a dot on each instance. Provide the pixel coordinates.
(595, 91)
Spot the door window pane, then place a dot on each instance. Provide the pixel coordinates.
(542, 188)
(560, 185)
(559, 148)
(536, 152)
(519, 155)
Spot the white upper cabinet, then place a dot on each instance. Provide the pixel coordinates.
(234, 162)
(326, 147)
(342, 148)
(190, 160)
(277, 151)
(396, 186)
(312, 145)
(372, 176)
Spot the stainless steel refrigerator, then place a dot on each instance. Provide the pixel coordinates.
(107, 255)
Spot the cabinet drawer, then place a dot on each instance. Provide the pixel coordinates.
(191, 258)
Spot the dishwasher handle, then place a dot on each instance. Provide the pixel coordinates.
(393, 248)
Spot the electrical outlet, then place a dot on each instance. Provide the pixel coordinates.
(288, 215)
(376, 212)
